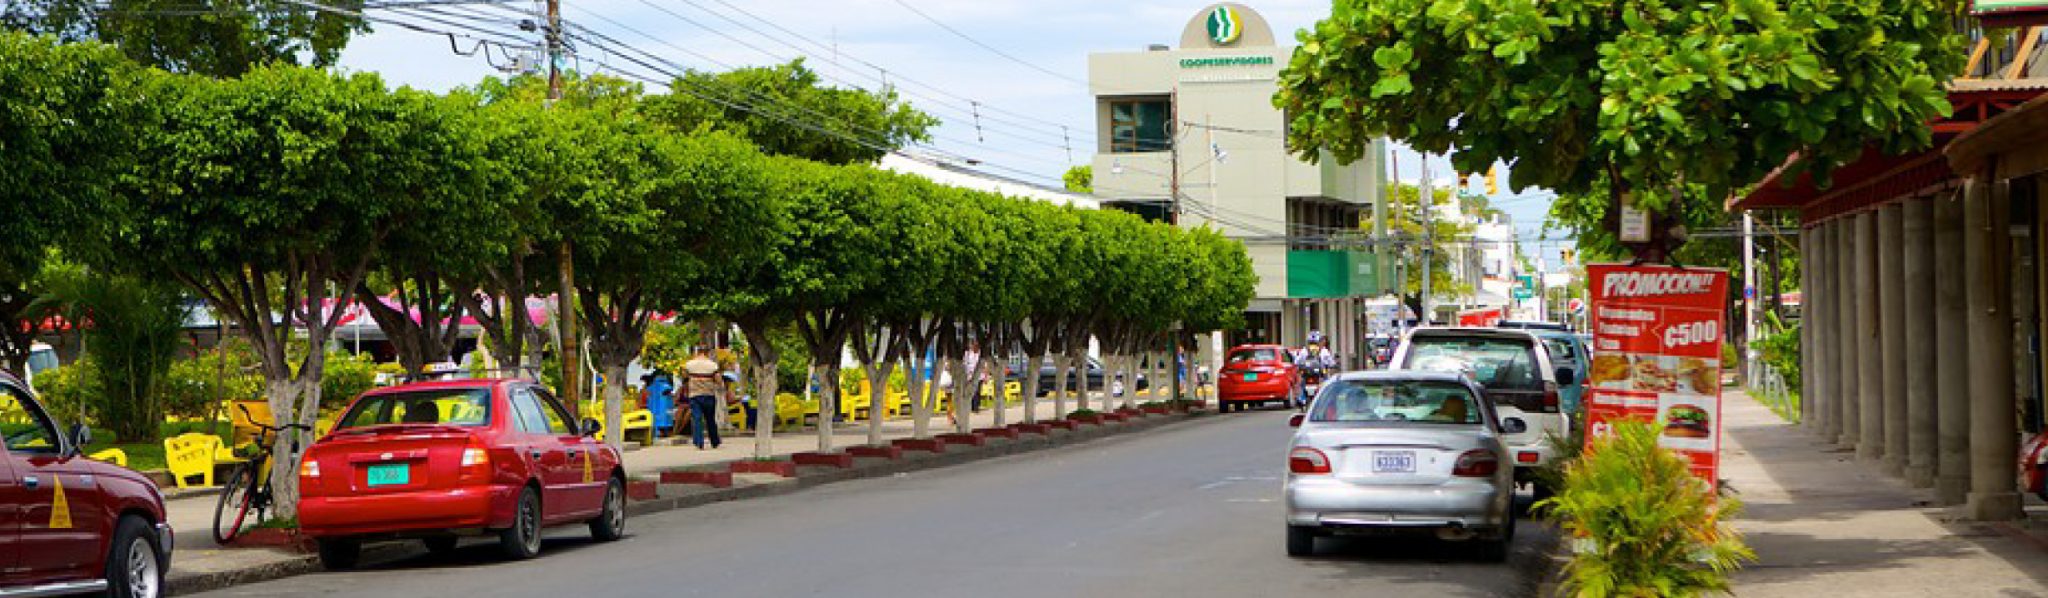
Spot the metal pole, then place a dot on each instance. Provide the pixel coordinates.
(1748, 294)
(565, 300)
(1427, 199)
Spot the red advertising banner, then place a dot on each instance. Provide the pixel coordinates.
(1657, 334)
(1483, 318)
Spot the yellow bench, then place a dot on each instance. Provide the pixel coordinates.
(112, 455)
(791, 410)
(194, 454)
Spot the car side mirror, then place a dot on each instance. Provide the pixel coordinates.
(81, 435)
(1294, 421)
(1513, 425)
(591, 426)
(1565, 375)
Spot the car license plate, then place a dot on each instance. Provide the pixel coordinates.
(1393, 462)
(1251, 377)
(390, 474)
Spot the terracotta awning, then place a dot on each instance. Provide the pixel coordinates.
(1875, 177)
(2021, 133)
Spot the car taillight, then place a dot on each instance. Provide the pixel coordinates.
(1476, 464)
(309, 469)
(1307, 460)
(476, 461)
(1550, 397)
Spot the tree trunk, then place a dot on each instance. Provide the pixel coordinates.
(828, 403)
(1027, 381)
(878, 398)
(761, 355)
(615, 404)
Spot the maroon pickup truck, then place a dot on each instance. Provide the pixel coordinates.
(69, 524)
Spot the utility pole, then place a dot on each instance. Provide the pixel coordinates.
(565, 299)
(1427, 199)
(1748, 295)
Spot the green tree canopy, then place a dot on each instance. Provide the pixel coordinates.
(1646, 93)
(765, 105)
(220, 38)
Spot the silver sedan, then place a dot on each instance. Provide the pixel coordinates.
(1391, 451)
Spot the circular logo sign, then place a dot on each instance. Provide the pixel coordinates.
(1224, 26)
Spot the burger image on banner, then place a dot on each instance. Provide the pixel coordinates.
(1687, 421)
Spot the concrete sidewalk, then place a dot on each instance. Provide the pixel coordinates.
(1823, 523)
(191, 516)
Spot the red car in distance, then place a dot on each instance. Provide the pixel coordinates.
(440, 460)
(1257, 374)
(69, 524)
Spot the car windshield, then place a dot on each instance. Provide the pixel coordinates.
(1498, 363)
(451, 407)
(1262, 354)
(1355, 401)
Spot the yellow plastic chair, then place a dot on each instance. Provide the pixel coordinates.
(112, 455)
(899, 404)
(246, 430)
(735, 413)
(855, 406)
(640, 420)
(191, 454)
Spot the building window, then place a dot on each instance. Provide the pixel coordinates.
(1140, 125)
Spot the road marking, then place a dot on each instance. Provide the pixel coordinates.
(1249, 500)
(1235, 479)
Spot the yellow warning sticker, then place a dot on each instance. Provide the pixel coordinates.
(60, 509)
(587, 475)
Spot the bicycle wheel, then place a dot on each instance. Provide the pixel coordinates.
(236, 498)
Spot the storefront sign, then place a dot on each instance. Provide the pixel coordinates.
(1214, 61)
(1635, 225)
(1657, 334)
(1483, 318)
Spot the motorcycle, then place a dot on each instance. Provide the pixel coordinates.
(1311, 381)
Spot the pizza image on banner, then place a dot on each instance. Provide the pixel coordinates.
(1657, 334)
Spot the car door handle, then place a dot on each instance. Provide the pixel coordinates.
(31, 482)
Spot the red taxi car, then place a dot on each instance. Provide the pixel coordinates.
(69, 524)
(440, 460)
(1256, 374)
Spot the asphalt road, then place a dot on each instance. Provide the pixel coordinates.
(1189, 510)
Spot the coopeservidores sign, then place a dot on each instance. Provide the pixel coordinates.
(1220, 61)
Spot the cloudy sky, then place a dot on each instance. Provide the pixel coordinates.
(1032, 97)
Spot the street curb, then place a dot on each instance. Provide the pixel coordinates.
(864, 468)
(180, 583)
(1541, 566)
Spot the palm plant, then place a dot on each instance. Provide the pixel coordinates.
(1641, 524)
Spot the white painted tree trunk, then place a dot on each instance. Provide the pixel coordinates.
(1078, 365)
(922, 389)
(614, 405)
(1027, 380)
(1059, 386)
(963, 386)
(764, 411)
(828, 404)
(998, 395)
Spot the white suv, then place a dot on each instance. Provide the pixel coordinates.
(1517, 375)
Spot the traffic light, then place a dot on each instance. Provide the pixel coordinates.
(1492, 180)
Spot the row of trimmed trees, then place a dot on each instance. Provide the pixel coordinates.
(285, 194)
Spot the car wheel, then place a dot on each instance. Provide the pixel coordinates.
(134, 567)
(340, 554)
(1301, 541)
(610, 523)
(441, 546)
(522, 540)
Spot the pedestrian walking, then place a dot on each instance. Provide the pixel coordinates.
(703, 387)
(974, 376)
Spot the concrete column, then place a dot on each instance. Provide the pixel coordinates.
(1850, 361)
(1809, 386)
(1920, 353)
(1819, 314)
(1952, 356)
(1868, 331)
(1994, 440)
(1891, 288)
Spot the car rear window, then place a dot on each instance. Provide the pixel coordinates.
(1359, 401)
(1561, 353)
(451, 407)
(1498, 363)
(1243, 355)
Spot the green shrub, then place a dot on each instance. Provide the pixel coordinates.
(1640, 524)
(69, 392)
(195, 387)
(1781, 350)
(347, 376)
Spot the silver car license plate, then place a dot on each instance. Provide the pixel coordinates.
(1393, 462)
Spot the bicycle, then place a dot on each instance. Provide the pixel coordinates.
(248, 488)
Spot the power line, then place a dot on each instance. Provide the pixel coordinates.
(991, 49)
